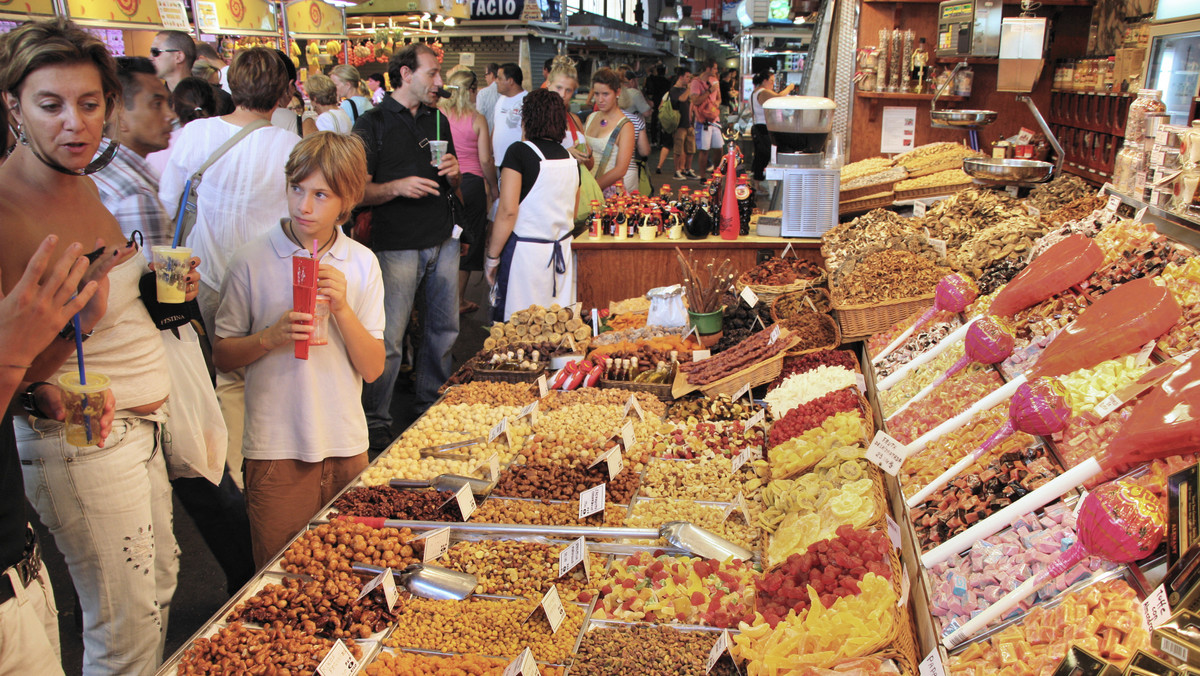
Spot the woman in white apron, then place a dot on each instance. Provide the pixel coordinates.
(528, 259)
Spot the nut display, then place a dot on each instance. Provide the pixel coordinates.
(542, 513)
(487, 627)
(538, 324)
(392, 503)
(561, 482)
(490, 393)
(237, 649)
(654, 513)
(600, 397)
(326, 608)
(422, 664)
(697, 480)
(517, 568)
(884, 276)
(635, 650)
(703, 409)
(327, 551)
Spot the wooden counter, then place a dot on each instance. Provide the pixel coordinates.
(610, 269)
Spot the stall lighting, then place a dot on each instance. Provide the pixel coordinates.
(450, 22)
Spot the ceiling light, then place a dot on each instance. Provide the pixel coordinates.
(450, 22)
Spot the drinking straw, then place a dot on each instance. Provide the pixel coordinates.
(87, 419)
(437, 125)
(316, 247)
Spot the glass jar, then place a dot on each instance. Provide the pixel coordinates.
(1183, 191)
(1128, 163)
(1147, 101)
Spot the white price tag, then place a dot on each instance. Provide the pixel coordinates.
(719, 648)
(748, 454)
(690, 331)
(739, 503)
(759, 321)
(524, 665)
(595, 322)
(701, 355)
(861, 382)
(388, 580)
(774, 337)
(893, 531)
(339, 661)
(1156, 607)
(932, 664)
(939, 245)
(756, 419)
(905, 587)
(788, 248)
(1186, 356)
(613, 459)
(529, 412)
(743, 391)
(551, 604)
(498, 429)
(1110, 403)
(573, 555)
(466, 501)
(886, 452)
(1033, 211)
(1143, 355)
(543, 388)
(592, 501)
(749, 296)
(1114, 201)
(634, 405)
(493, 467)
(919, 209)
(437, 543)
(627, 437)
(1013, 190)
(1141, 214)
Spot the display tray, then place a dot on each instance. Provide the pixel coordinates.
(767, 293)
(757, 374)
(660, 390)
(845, 196)
(934, 191)
(837, 338)
(859, 321)
(867, 204)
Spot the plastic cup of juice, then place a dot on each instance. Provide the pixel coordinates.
(171, 266)
(84, 405)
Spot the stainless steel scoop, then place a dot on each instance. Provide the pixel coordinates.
(446, 482)
(427, 581)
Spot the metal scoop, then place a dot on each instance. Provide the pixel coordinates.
(445, 482)
(427, 581)
(443, 450)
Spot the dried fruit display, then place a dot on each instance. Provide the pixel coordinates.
(327, 551)
(839, 435)
(781, 272)
(710, 409)
(327, 609)
(1011, 238)
(755, 349)
(419, 664)
(817, 515)
(635, 650)
(563, 482)
(813, 330)
(807, 362)
(393, 503)
(958, 217)
(716, 439)
(686, 589)
(876, 230)
(884, 276)
(811, 414)
(519, 568)
(1063, 190)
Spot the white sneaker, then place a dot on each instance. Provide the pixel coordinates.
(678, 176)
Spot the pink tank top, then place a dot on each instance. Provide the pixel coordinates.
(466, 143)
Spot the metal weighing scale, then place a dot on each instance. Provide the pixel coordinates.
(807, 192)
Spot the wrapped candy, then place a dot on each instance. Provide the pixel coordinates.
(953, 293)
(989, 340)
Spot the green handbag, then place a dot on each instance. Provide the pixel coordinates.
(589, 191)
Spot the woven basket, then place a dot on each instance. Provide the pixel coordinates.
(660, 390)
(759, 374)
(508, 376)
(879, 522)
(903, 649)
(872, 470)
(858, 321)
(934, 191)
(837, 338)
(819, 297)
(767, 293)
(859, 206)
(859, 193)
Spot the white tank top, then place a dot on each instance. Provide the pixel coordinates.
(760, 115)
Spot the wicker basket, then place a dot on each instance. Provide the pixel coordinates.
(817, 295)
(660, 390)
(859, 193)
(935, 191)
(903, 649)
(872, 471)
(879, 521)
(767, 293)
(508, 376)
(837, 338)
(858, 321)
(874, 202)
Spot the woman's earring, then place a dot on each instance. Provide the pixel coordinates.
(21, 137)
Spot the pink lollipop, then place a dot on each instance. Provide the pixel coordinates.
(1037, 407)
(1119, 521)
(953, 293)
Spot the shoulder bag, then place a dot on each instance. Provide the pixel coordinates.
(185, 218)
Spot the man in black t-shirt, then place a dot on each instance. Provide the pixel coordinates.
(412, 228)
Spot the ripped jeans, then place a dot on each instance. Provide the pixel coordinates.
(109, 510)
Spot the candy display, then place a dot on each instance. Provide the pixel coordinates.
(812, 414)
(677, 589)
(953, 294)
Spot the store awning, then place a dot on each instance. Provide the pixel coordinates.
(238, 17)
(459, 9)
(315, 20)
(119, 14)
(28, 10)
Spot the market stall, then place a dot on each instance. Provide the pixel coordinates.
(238, 25)
(323, 26)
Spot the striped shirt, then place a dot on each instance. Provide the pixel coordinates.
(129, 189)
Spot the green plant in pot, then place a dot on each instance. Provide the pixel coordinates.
(704, 283)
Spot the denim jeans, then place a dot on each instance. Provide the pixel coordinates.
(29, 628)
(109, 510)
(403, 272)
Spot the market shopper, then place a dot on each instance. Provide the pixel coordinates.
(529, 251)
(506, 120)
(611, 136)
(31, 315)
(108, 508)
(412, 229)
(764, 90)
(326, 114)
(375, 84)
(684, 138)
(564, 80)
(705, 95)
(306, 435)
(243, 193)
(207, 54)
(174, 54)
(349, 89)
(284, 116)
(192, 99)
(485, 102)
(479, 189)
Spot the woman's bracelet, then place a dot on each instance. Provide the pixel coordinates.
(263, 345)
(490, 258)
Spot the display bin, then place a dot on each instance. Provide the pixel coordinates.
(935, 191)
(859, 193)
(499, 376)
(858, 321)
(768, 293)
(817, 295)
(863, 205)
(837, 338)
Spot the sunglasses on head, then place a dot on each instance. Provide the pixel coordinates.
(156, 52)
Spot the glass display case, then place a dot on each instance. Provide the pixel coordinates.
(1174, 67)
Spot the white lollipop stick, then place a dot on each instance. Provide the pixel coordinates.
(933, 353)
(899, 340)
(963, 418)
(960, 466)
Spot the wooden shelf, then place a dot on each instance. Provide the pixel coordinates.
(876, 99)
(973, 60)
(1124, 95)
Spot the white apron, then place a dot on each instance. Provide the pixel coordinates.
(541, 269)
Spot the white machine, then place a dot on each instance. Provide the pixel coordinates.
(807, 192)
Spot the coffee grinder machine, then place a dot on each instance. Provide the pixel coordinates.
(807, 192)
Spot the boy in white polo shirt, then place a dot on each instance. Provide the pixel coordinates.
(306, 434)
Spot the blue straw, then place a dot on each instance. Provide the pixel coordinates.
(187, 190)
(87, 419)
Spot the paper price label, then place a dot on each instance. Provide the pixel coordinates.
(529, 412)
(748, 454)
(1143, 355)
(905, 587)
(893, 531)
(1140, 215)
(592, 501)
(1013, 190)
(543, 387)
(1114, 201)
(1079, 505)
(524, 665)
(573, 555)
(739, 503)
(932, 664)
(635, 406)
(886, 453)
(701, 355)
(860, 381)
(339, 661)
(749, 296)
(919, 209)
(595, 322)
(613, 459)
(690, 331)
(498, 429)
(743, 391)
(437, 543)
(774, 337)
(719, 648)
(466, 501)
(757, 419)
(1156, 607)
(786, 249)
(551, 605)
(1111, 403)
(1033, 211)
(627, 437)
(493, 467)
(758, 320)
(388, 581)
(939, 245)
